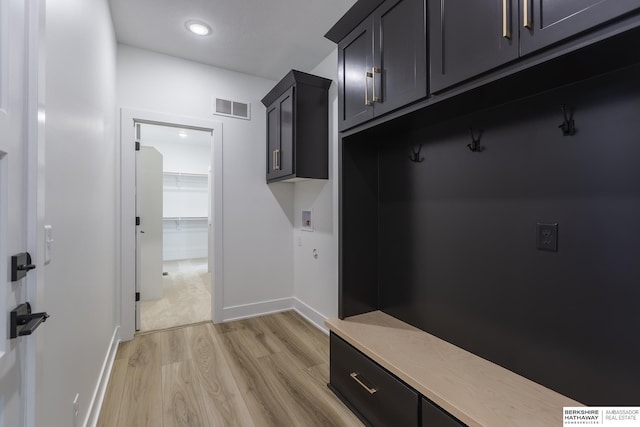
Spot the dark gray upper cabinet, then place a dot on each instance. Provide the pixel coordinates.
(382, 62)
(545, 22)
(298, 128)
(469, 38)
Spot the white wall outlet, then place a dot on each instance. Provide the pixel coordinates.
(307, 220)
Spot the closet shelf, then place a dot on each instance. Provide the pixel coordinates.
(196, 175)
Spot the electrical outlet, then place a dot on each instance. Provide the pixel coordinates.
(547, 237)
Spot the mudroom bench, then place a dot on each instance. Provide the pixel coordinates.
(391, 373)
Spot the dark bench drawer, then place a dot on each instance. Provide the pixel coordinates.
(379, 397)
(434, 416)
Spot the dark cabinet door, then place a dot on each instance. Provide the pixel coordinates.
(544, 22)
(280, 136)
(382, 63)
(399, 76)
(355, 61)
(468, 38)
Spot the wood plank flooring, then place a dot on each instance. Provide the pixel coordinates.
(264, 371)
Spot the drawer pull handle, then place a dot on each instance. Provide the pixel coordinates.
(374, 71)
(526, 15)
(506, 19)
(371, 390)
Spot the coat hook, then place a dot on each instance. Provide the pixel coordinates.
(475, 141)
(568, 126)
(415, 154)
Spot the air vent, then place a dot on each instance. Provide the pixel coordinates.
(237, 109)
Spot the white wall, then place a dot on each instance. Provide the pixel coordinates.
(80, 203)
(316, 280)
(258, 224)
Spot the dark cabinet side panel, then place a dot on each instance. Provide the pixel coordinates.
(358, 269)
(553, 21)
(400, 33)
(466, 39)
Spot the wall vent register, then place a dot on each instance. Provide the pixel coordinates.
(229, 108)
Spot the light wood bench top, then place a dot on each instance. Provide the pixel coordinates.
(474, 390)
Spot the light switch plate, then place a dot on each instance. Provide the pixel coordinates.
(48, 243)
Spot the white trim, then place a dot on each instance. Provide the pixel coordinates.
(35, 198)
(255, 309)
(127, 210)
(95, 405)
(309, 313)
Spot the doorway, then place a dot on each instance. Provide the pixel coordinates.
(173, 203)
(187, 238)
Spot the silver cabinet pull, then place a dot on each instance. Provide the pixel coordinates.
(273, 160)
(506, 19)
(526, 15)
(374, 71)
(367, 76)
(354, 375)
(277, 159)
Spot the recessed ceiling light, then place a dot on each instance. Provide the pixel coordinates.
(182, 134)
(198, 27)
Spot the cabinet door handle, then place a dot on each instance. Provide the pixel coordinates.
(277, 152)
(367, 76)
(273, 160)
(374, 71)
(506, 19)
(526, 15)
(371, 390)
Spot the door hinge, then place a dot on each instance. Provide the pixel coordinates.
(137, 145)
(137, 296)
(137, 220)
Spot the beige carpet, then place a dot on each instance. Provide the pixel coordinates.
(186, 298)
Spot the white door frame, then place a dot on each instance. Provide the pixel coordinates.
(35, 166)
(127, 210)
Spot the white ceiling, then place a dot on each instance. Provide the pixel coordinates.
(265, 38)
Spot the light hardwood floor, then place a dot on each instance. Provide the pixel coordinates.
(265, 371)
(186, 297)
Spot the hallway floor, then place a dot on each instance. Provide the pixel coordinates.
(186, 299)
(266, 371)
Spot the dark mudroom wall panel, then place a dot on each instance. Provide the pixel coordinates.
(457, 237)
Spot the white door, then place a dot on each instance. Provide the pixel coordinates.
(150, 230)
(18, 88)
(148, 176)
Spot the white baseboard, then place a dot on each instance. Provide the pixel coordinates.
(262, 308)
(313, 316)
(256, 309)
(103, 380)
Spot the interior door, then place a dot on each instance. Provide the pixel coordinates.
(17, 355)
(150, 230)
(148, 224)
